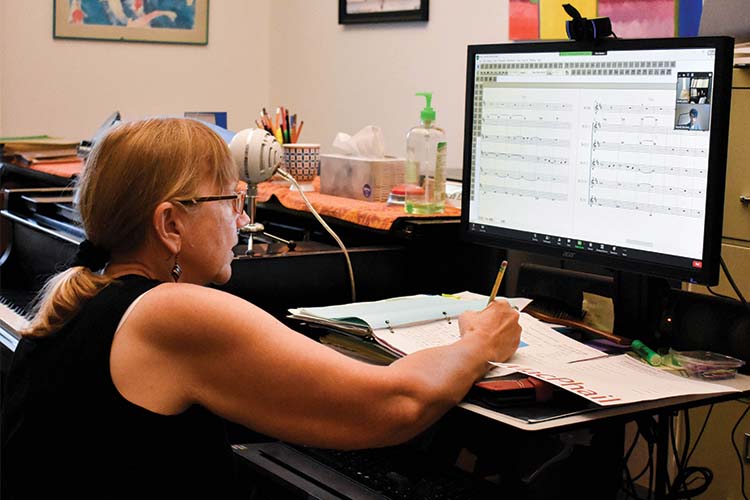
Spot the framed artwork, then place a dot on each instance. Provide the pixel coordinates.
(156, 21)
(382, 11)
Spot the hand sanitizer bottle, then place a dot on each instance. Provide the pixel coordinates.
(426, 150)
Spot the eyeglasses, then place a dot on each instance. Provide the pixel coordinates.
(239, 200)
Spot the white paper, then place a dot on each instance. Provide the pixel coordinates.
(616, 380)
(539, 343)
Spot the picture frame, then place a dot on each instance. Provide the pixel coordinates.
(156, 21)
(382, 11)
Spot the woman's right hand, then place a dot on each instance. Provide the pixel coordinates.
(496, 325)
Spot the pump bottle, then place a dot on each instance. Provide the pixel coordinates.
(426, 155)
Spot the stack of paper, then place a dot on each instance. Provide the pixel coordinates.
(742, 54)
(51, 155)
(401, 325)
(405, 325)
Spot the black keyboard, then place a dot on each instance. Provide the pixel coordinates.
(403, 473)
(399, 473)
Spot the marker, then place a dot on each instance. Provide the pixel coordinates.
(643, 351)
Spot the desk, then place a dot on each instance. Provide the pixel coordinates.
(663, 409)
(594, 439)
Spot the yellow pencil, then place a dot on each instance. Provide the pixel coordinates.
(498, 280)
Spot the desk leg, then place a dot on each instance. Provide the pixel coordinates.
(662, 455)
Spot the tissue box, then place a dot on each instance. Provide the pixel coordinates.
(366, 179)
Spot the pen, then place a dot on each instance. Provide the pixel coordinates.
(498, 280)
(643, 351)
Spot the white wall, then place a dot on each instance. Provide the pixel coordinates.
(341, 78)
(2, 60)
(260, 53)
(68, 87)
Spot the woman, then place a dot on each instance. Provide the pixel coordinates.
(136, 368)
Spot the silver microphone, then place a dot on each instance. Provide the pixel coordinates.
(257, 155)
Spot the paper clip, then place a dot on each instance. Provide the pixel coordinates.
(447, 318)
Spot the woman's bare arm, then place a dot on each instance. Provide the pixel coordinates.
(186, 344)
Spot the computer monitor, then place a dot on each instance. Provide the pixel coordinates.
(611, 152)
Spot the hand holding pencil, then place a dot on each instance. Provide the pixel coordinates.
(496, 327)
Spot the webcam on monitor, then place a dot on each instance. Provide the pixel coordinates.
(582, 29)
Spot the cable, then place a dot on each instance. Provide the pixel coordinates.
(721, 295)
(288, 177)
(628, 486)
(700, 434)
(647, 429)
(731, 281)
(737, 451)
(682, 487)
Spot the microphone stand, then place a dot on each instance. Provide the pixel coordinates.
(255, 229)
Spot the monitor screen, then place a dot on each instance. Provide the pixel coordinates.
(613, 153)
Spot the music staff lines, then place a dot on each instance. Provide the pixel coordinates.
(524, 176)
(515, 123)
(517, 157)
(629, 108)
(524, 193)
(526, 140)
(622, 147)
(645, 207)
(527, 106)
(645, 187)
(648, 169)
(635, 129)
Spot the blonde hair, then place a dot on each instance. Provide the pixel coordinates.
(136, 166)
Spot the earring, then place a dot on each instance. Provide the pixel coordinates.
(176, 271)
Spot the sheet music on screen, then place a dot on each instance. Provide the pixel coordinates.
(596, 151)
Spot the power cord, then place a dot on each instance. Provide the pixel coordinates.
(628, 486)
(291, 179)
(646, 430)
(731, 283)
(737, 451)
(716, 294)
(686, 475)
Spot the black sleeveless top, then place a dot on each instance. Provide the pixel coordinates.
(68, 433)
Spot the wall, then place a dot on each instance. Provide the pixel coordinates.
(343, 77)
(2, 60)
(260, 53)
(68, 87)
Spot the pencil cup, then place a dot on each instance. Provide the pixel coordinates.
(302, 161)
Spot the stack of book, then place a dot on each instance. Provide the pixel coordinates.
(51, 155)
(742, 55)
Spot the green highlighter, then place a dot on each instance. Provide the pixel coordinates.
(643, 351)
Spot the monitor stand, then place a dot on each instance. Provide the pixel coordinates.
(639, 301)
(638, 304)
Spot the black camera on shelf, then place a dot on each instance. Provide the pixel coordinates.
(579, 28)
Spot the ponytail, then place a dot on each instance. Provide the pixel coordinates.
(62, 297)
